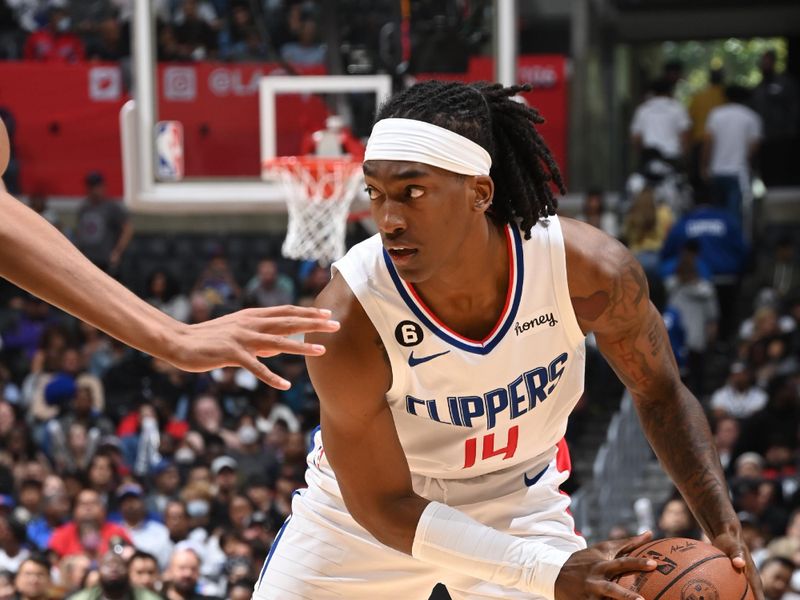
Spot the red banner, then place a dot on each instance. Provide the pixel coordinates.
(67, 116)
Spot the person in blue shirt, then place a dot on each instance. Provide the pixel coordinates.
(721, 247)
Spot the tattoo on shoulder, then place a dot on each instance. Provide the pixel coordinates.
(617, 303)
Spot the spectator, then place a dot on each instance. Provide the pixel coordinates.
(726, 434)
(166, 486)
(253, 458)
(89, 532)
(114, 583)
(7, 586)
(103, 476)
(779, 417)
(722, 248)
(12, 544)
(9, 32)
(112, 42)
(183, 575)
(241, 40)
(104, 230)
(672, 73)
(73, 436)
(269, 287)
(55, 510)
(739, 398)
(164, 293)
(176, 519)
(788, 545)
(661, 125)
(595, 213)
(733, 133)
(29, 495)
(196, 39)
(696, 301)
(225, 472)
(33, 579)
(54, 42)
(702, 103)
(676, 520)
(777, 100)
(146, 534)
(270, 411)
(143, 571)
(307, 50)
(26, 332)
(776, 573)
(780, 271)
(645, 228)
(207, 420)
(242, 589)
(217, 283)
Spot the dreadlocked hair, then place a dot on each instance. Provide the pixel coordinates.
(523, 167)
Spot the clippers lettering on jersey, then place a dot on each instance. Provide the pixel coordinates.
(515, 399)
(535, 324)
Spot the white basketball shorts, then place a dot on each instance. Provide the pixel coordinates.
(321, 553)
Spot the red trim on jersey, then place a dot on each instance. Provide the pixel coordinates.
(503, 314)
(564, 464)
(563, 460)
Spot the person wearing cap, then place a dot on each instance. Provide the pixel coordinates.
(35, 256)
(146, 534)
(224, 470)
(253, 457)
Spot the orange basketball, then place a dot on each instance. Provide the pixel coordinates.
(687, 570)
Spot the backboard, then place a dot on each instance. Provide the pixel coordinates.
(231, 117)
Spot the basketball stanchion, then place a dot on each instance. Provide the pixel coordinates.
(319, 192)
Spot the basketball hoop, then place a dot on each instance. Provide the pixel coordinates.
(318, 196)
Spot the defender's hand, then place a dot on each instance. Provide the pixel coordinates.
(236, 340)
(732, 545)
(587, 573)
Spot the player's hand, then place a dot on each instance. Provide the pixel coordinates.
(587, 574)
(731, 543)
(239, 338)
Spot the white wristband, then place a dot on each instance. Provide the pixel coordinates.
(448, 538)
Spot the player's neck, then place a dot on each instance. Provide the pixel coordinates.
(475, 283)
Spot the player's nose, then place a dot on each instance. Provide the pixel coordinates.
(389, 218)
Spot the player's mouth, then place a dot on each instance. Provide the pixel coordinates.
(401, 255)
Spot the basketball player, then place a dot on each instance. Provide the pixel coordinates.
(35, 256)
(445, 394)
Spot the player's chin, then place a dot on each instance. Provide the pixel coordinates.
(413, 272)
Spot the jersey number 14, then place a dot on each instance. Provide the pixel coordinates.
(488, 449)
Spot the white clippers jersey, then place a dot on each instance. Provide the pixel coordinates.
(462, 407)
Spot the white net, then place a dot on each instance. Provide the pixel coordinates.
(319, 192)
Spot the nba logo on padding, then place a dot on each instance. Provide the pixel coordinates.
(169, 151)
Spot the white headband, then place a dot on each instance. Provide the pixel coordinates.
(417, 141)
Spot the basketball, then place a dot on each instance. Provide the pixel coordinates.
(687, 570)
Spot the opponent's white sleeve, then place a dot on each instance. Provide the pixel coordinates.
(448, 538)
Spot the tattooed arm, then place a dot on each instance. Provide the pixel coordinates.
(610, 297)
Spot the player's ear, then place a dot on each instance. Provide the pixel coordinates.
(5, 148)
(484, 192)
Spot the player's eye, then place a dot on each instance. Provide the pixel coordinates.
(414, 191)
(372, 192)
